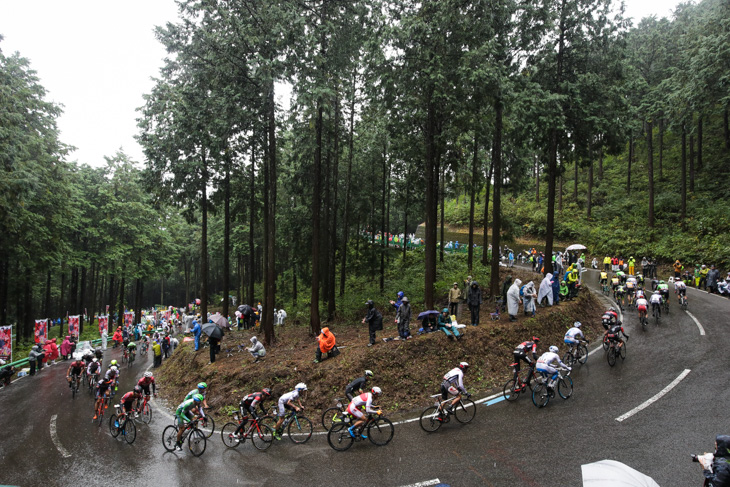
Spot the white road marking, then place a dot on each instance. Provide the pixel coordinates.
(54, 437)
(654, 399)
(425, 483)
(697, 322)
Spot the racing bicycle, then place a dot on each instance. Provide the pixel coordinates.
(520, 382)
(122, 423)
(379, 431)
(434, 416)
(542, 392)
(197, 440)
(233, 435)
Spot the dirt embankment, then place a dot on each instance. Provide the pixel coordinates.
(407, 371)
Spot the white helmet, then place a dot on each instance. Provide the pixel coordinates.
(376, 391)
(577, 324)
(554, 349)
(301, 386)
(148, 374)
(94, 359)
(368, 373)
(114, 368)
(463, 365)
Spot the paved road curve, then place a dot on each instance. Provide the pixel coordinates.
(508, 444)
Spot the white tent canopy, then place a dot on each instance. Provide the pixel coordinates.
(610, 473)
(576, 247)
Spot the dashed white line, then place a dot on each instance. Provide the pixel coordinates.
(425, 483)
(56, 441)
(697, 322)
(656, 397)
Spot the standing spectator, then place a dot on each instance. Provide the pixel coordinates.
(511, 258)
(403, 318)
(399, 299)
(257, 349)
(117, 337)
(174, 342)
(571, 279)
(632, 265)
(454, 297)
(246, 312)
(326, 345)
(197, 330)
(556, 289)
(529, 296)
(66, 347)
(505, 287)
(716, 468)
(474, 301)
(280, 317)
(644, 266)
(166, 347)
(157, 352)
(703, 277)
(33, 358)
(607, 263)
(712, 277)
(513, 300)
(51, 350)
(678, 269)
(374, 320)
(546, 291)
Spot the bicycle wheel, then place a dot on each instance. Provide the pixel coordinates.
(74, 389)
(197, 442)
(169, 437)
(622, 351)
(565, 387)
(262, 437)
(569, 359)
(130, 431)
(430, 420)
(339, 438)
(605, 344)
(582, 354)
(300, 430)
(114, 425)
(146, 414)
(380, 431)
(227, 432)
(540, 396)
(331, 416)
(269, 421)
(209, 425)
(509, 391)
(611, 356)
(465, 411)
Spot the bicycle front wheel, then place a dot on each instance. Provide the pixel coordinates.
(565, 387)
(262, 436)
(509, 391)
(114, 425)
(611, 356)
(130, 431)
(430, 420)
(465, 411)
(380, 431)
(169, 438)
(227, 432)
(339, 438)
(540, 396)
(622, 352)
(300, 430)
(582, 354)
(197, 442)
(569, 359)
(209, 425)
(330, 417)
(146, 414)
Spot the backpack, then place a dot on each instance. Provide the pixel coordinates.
(522, 291)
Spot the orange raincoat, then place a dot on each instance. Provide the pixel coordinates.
(326, 340)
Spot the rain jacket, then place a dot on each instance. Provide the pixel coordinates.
(66, 346)
(546, 290)
(474, 294)
(326, 340)
(454, 295)
(374, 319)
(51, 350)
(257, 348)
(513, 298)
(529, 295)
(720, 474)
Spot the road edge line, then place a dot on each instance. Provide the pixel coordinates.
(654, 398)
(697, 322)
(56, 441)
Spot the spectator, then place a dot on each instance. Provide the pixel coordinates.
(703, 277)
(529, 296)
(66, 347)
(454, 297)
(374, 320)
(197, 330)
(677, 269)
(571, 279)
(474, 300)
(712, 277)
(556, 289)
(505, 287)
(174, 342)
(51, 351)
(166, 347)
(546, 291)
(717, 470)
(403, 318)
(117, 337)
(428, 324)
(6, 373)
(513, 300)
(397, 302)
(157, 352)
(257, 349)
(214, 345)
(644, 266)
(280, 317)
(33, 358)
(326, 345)
(632, 265)
(445, 325)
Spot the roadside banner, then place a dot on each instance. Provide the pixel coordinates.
(73, 325)
(41, 331)
(6, 343)
(103, 325)
(128, 318)
(167, 315)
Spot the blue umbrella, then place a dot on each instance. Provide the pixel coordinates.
(427, 313)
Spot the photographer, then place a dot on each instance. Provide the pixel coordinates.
(717, 468)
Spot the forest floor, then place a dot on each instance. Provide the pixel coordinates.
(407, 371)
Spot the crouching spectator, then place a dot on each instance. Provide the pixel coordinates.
(446, 326)
(257, 349)
(326, 345)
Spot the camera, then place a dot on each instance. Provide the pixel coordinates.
(695, 459)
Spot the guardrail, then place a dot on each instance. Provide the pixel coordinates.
(24, 361)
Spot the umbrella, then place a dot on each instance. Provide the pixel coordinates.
(426, 313)
(576, 247)
(220, 320)
(213, 331)
(610, 473)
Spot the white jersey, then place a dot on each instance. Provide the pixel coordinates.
(631, 282)
(573, 333)
(364, 399)
(548, 358)
(642, 302)
(289, 396)
(639, 293)
(680, 286)
(455, 377)
(656, 299)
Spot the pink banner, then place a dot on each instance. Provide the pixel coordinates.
(6, 343)
(41, 331)
(103, 325)
(167, 315)
(73, 325)
(128, 318)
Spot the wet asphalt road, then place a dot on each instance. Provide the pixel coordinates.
(508, 444)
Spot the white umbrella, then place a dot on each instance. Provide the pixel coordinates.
(610, 473)
(576, 247)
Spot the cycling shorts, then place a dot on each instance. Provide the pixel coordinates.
(604, 281)
(127, 405)
(547, 370)
(283, 407)
(146, 389)
(355, 411)
(682, 292)
(183, 418)
(642, 308)
(101, 391)
(448, 388)
(570, 341)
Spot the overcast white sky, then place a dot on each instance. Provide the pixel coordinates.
(97, 58)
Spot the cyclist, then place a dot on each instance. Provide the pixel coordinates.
(358, 385)
(521, 353)
(102, 391)
(93, 368)
(131, 350)
(614, 283)
(145, 383)
(365, 400)
(619, 294)
(545, 365)
(604, 279)
(680, 289)
(641, 304)
(640, 292)
(621, 276)
(130, 399)
(640, 279)
(656, 303)
(74, 371)
(202, 389)
(663, 289)
(453, 384)
(185, 413)
(614, 335)
(287, 402)
(631, 286)
(247, 406)
(88, 357)
(571, 337)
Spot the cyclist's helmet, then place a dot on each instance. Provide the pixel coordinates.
(536, 339)
(202, 386)
(463, 365)
(197, 397)
(114, 368)
(554, 349)
(301, 387)
(266, 392)
(577, 324)
(611, 308)
(376, 391)
(137, 390)
(94, 359)
(661, 282)
(368, 373)
(148, 374)
(112, 363)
